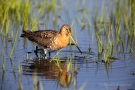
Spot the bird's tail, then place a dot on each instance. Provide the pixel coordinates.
(26, 33)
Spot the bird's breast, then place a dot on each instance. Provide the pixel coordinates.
(59, 42)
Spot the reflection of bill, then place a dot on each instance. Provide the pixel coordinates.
(66, 78)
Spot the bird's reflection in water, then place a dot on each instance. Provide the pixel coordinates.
(48, 69)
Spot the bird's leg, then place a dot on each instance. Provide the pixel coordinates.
(49, 54)
(36, 51)
(45, 51)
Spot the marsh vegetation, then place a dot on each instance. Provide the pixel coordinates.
(103, 29)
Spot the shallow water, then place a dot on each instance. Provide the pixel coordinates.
(88, 73)
(91, 73)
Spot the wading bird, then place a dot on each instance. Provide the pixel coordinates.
(51, 40)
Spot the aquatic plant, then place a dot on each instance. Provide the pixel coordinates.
(112, 33)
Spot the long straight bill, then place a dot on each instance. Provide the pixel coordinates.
(74, 42)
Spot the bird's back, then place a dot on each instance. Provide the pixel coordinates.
(42, 37)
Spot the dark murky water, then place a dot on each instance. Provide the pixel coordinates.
(86, 73)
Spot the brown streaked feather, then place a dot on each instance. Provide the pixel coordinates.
(26, 33)
(42, 33)
(42, 37)
(45, 33)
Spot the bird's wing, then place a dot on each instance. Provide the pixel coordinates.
(42, 37)
(45, 33)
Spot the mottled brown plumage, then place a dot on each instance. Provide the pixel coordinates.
(50, 40)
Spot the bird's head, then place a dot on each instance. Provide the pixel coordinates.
(66, 31)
